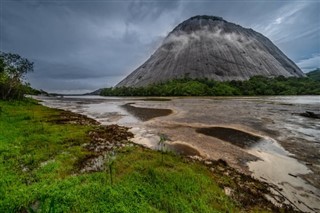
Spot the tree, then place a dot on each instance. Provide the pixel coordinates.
(12, 72)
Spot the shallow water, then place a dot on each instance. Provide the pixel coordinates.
(312, 99)
(263, 133)
(275, 165)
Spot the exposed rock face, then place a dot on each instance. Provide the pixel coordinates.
(210, 47)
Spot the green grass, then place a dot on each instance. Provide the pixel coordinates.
(39, 173)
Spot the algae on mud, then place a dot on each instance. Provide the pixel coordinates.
(41, 151)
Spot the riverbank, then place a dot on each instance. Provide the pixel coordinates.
(285, 156)
(48, 157)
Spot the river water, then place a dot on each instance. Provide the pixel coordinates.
(261, 136)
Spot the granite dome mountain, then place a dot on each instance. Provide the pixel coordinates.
(213, 48)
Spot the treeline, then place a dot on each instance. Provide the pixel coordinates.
(257, 85)
(12, 73)
(315, 74)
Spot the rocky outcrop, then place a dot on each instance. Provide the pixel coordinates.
(210, 47)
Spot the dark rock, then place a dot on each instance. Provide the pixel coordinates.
(309, 114)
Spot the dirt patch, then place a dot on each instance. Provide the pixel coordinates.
(145, 114)
(66, 117)
(183, 149)
(246, 190)
(103, 141)
(106, 138)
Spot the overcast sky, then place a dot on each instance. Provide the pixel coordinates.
(82, 45)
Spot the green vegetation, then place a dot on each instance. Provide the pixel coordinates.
(315, 74)
(12, 70)
(39, 166)
(257, 85)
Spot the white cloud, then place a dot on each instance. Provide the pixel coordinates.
(179, 41)
(279, 20)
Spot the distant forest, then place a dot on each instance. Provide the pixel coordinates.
(257, 85)
(315, 74)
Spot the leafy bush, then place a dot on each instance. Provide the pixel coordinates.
(12, 70)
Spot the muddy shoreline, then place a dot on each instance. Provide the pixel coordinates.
(268, 118)
(107, 139)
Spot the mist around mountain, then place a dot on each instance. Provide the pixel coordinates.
(209, 47)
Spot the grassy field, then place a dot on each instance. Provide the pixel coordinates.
(42, 151)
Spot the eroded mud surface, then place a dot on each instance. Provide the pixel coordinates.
(145, 114)
(234, 136)
(103, 141)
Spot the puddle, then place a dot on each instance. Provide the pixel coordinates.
(233, 136)
(145, 114)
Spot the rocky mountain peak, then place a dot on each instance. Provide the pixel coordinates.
(211, 47)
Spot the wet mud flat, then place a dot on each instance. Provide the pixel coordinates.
(145, 114)
(274, 142)
(183, 149)
(234, 136)
(107, 139)
(154, 99)
(283, 170)
(285, 154)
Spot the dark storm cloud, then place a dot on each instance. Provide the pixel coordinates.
(140, 11)
(84, 45)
